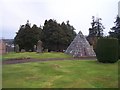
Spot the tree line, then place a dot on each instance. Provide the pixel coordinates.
(55, 36)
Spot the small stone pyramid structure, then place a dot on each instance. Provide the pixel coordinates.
(80, 47)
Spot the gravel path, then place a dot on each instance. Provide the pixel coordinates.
(25, 60)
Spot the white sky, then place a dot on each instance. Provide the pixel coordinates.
(78, 12)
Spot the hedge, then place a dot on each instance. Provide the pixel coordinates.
(119, 52)
(107, 50)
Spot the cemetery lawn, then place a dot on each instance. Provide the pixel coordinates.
(61, 74)
(35, 55)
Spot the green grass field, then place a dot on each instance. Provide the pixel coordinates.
(35, 55)
(58, 74)
(61, 74)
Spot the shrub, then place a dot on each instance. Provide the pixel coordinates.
(119, 51)
(107, 50)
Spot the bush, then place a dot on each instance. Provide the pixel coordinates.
(107, 50)
(119, 51)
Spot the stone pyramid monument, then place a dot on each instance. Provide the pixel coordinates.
(80, 47)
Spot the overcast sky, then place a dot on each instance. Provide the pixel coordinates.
(78, 12)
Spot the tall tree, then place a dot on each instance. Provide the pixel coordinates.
(95, 31)
(27, 36)
(97, 27)
(115, 30)
(57, 37)
(69, 33)
(50, 35)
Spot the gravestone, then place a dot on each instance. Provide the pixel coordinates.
(80, 47)
(34, 48)
(17, 48)
(22, 50)
(46, 50)
(39, 46)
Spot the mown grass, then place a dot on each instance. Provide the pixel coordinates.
(35, 55)
(61, 74)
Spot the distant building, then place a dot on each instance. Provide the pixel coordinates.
(9, 45)
(2, 47)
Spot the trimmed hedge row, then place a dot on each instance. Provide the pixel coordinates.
(119, 52)
(107, 50)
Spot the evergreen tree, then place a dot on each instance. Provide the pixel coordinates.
(97, 27)
(27, 36)
(50, 35)
(115, 30)
(69, 33)
(95, 31)
(57, 37)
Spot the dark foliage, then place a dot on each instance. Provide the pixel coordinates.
(115, 31)
(27, 36)
(57, 37)
(97, 27)
(95, 31)
(107, 50)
